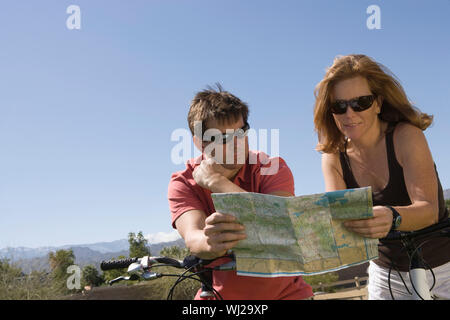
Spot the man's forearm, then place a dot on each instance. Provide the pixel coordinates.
(194, 242)
(197, 245)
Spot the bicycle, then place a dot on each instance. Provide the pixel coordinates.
(140, 269)
(417, 265)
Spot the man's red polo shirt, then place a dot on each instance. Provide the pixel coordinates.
(184, 194)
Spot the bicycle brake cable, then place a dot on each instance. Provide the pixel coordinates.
(389, 275)
(180, 279)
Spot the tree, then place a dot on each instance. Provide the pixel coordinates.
(138, 245)
(90, 277)
(15, 285)
(10, 277)
(7, 268)
(175, 252)
(60, 261)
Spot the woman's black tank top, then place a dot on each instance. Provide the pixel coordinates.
(435, 252)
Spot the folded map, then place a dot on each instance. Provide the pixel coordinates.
(301, 235)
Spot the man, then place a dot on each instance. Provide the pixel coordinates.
(218, 122)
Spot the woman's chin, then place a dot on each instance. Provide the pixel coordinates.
(353, 133)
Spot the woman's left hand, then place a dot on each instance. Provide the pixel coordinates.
(376, 227)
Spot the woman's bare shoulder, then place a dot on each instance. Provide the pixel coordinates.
(330, 156)
(409, 141)
(331, 160)
(406, 130)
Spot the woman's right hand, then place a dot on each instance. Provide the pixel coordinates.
(376, 227)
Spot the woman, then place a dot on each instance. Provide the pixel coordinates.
(371, 135)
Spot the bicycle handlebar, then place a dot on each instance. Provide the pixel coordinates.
(198, 267)
(188, 262)
(438, 229)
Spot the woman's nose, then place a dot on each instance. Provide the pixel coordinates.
(349, 111)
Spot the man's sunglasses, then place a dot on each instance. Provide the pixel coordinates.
(224, 138)
(357, 104)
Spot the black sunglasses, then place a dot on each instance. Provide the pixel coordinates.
(226, 137)
(357, 104)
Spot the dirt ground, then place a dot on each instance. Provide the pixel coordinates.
(117, 292)
(155, 290)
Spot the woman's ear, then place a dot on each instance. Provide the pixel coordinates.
(380, 100)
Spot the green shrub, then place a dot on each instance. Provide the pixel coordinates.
(324, 278)
(15, 285)
(90, 277)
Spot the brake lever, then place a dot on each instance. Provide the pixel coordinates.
(110, 282)
(122, 278)
(151, 275)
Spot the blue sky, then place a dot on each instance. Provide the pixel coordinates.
(86, 115)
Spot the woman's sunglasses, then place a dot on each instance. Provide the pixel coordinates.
(357, 104)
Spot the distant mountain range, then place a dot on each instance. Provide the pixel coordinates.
(36, 259)
(447, 194)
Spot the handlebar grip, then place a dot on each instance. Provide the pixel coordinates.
(170, 261)
(117, 264)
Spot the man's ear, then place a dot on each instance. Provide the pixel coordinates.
(198, 143)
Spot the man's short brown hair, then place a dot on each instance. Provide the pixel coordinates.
(215, 104)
